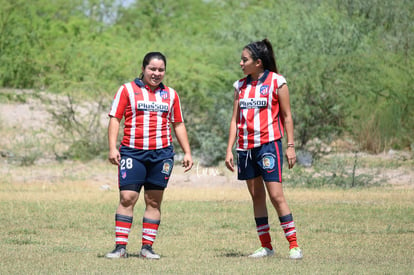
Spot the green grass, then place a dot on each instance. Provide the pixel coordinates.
(67, 228)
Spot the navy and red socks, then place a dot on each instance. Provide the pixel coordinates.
(263, 228)
(122, 228)
(149, 231)
(288, 226)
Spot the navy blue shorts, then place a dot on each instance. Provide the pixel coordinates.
(148, 168)
(265, 161)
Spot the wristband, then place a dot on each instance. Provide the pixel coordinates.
(291, 145)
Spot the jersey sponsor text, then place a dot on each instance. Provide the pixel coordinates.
(253, 103)
(152, 106)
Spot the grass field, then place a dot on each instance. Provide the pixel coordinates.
(65, 227)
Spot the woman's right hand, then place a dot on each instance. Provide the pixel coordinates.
(114, 156)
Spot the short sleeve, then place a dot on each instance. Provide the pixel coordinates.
(119, 103)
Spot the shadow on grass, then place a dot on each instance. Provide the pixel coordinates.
(233, 254)
(130, 255)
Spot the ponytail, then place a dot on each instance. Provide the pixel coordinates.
(263, 50)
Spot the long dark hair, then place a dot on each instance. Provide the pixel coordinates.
(263, 50)
(151, 55)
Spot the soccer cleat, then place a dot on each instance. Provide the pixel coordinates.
(295, 253)
(148, 253)
(118, 252)
(262, 252)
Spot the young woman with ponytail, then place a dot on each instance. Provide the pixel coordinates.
(261, 117)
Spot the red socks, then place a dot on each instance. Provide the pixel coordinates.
(263, 228)
(149, 231)
(122, 228)
(288, 226)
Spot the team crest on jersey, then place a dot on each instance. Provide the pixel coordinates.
(167, 167)
(268, 162)
(264, 90)
(164, 94)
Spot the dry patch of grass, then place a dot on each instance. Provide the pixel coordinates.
(66, 226)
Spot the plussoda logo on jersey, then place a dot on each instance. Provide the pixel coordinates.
(152, 106)
(253, 103)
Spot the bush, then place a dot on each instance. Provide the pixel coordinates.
(79, 128)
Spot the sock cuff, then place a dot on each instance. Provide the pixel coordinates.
(286, 218)
(261, 221)
(123, 218)
(146, 220)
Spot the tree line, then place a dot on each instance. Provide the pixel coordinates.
(348, 63)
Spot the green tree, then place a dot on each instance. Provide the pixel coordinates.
(349, 64)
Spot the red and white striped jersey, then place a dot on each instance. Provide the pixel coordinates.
(147, 114)
(259, 120)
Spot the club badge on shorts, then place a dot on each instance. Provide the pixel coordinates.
(268, 162)
(167, 167)
(123, 174)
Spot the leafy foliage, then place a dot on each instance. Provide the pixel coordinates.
(349, 63)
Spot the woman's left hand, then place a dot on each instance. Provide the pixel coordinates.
(291, 156)
(187, 162)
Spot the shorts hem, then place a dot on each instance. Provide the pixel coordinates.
(266, 180)
(132, 183)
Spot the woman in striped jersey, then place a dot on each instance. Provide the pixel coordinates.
(145, 157)
(261, 114)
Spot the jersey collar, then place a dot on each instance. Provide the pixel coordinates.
(141, 84)
(261, 79)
